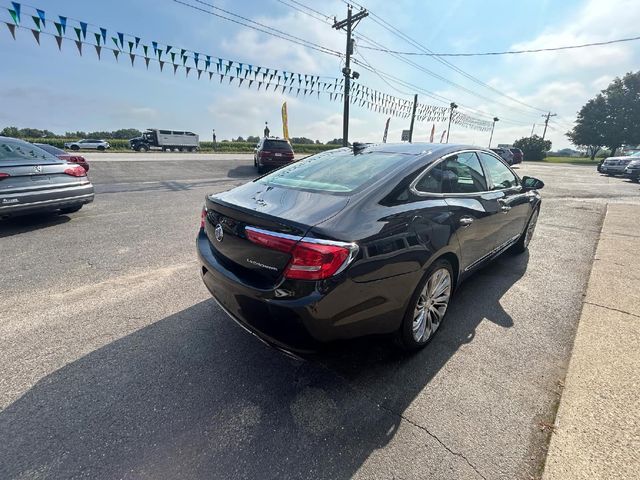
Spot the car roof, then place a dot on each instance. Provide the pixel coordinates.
(415, 148)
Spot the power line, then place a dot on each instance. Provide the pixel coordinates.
(409, 62)
(507, 52)
(395, 31)
(280, 34)
(325, 18)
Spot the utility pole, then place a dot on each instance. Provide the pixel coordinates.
(453, 107)
(532, 128)
(350, 23)
(546, 122)
(413, 117)
(495, 119)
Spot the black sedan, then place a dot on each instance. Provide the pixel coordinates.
(34, 181)
(366, 240)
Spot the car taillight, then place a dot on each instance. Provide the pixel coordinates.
(4, 175)
(76, 171)
(203, 217)
(310, 259)
(314, 261)
(274, 242)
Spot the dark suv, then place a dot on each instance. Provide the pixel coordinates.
(518, 156)
(271, 153)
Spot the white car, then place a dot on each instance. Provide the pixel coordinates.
(617, 165)
(88, 143)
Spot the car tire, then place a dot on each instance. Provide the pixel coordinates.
(74, 147)
(422, 319)
(67, 210)
(260, 169)
(101, 148)
(143, 148)
(523, 242)
(180, 149)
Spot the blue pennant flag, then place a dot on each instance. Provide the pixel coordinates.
(83, 28)
(121, 38)
(155, 47)
(207, 64)
(63, 22)
(137, 41)
(103, 32)
(16, 9)
(41, 15)
(195, 58)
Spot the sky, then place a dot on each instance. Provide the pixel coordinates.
(42, 87)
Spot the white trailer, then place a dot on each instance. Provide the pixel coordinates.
(166, 140)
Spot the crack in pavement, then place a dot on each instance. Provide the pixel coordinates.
(435, 437)
(612, 309)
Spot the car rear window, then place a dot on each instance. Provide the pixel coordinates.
(50, 149)
(337, 171)
(277, 146)
(11, 150)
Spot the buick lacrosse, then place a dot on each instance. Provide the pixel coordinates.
(372, 239)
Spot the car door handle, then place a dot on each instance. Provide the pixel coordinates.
(504, 206)
(466, 221)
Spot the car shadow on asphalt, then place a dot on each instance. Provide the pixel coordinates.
(194, 396)
(28, 223)
(243, 171)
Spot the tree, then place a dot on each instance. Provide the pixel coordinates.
(611, 119)
(335, 141)
(10, 132)
(533, 148)
(301, 140)
(252, 139)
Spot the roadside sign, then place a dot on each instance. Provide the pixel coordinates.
(405, 135)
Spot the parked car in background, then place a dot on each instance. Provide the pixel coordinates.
(632, 171)
(62, 155)
(88, 144)
(617, 165)
(518, 156)
(505, 153)
(272, 152)
(33, 181)
(365, 240)
(599, 167)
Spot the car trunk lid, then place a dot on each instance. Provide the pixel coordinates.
(268, 208)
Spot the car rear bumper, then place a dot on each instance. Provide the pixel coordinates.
(275, 161)
(13, 204)
(304, 321)
(632, 173)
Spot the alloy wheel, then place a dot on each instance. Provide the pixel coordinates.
(431, 305)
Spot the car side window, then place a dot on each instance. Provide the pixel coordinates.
(460, 173)
(499, 174)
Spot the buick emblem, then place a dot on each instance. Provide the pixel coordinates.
(37, 168)
(219, 232)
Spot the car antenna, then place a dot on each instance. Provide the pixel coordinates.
(358, 147)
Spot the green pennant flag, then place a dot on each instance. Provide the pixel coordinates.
(14, 16)
(36, 20)
(115, 41)
(58, 28)
(78, 33)
(98, 38)
(145, 48)
(130, 46)
(173, 57)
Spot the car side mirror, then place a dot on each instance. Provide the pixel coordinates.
(530, 183)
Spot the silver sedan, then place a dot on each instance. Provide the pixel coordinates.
(32, 181)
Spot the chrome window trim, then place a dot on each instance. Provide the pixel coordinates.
(415, 191)
(351, 246)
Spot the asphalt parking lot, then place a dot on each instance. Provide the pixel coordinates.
(116, 362)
